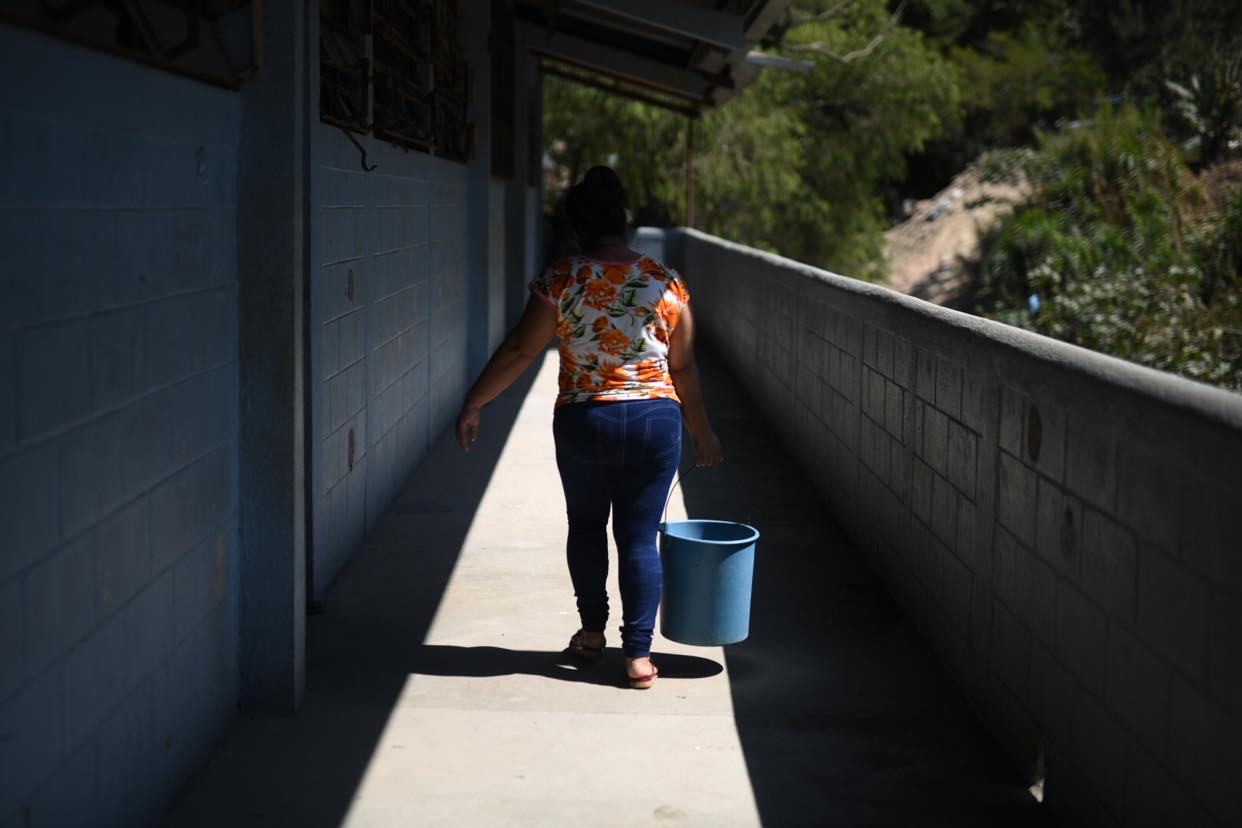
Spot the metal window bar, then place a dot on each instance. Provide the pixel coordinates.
(403, 78)
(421, 82)
(216, 41)
(344, 66)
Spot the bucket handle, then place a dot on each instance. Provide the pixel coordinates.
(680, 477)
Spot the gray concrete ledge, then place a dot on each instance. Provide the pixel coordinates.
(1058, 523)
(1208, 401)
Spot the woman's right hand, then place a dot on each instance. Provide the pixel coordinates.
(707, 450)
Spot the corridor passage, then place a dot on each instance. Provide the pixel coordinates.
(439, 694)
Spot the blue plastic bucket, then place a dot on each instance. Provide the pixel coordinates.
(708, 571)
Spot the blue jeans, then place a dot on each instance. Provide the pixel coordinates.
(620, 455)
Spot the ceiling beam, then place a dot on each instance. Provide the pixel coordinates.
(616, 88)
(671, 80)
(718, 28)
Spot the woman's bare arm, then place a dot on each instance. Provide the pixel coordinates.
(525, 342)
(685, 373)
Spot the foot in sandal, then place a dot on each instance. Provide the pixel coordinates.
(642, 673)
(587, 644)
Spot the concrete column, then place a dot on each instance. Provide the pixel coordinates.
(474, 37)
(272, 264)
(523, 226)
(534, 217)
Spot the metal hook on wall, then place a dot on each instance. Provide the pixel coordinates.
(365, 167)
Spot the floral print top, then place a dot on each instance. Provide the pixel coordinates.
(614, 320)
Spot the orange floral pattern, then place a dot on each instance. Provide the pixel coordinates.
(614, 321)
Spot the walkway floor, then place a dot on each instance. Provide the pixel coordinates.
(438, 693)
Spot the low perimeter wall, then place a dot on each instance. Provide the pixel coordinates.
(1058, 523)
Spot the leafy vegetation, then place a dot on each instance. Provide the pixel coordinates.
(1121, 251)
(584, 126)
(1211, 104)
(795, 163)
(1111, 110)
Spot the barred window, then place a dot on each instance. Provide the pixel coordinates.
(412, 89)
(210, 40)
(344, 65)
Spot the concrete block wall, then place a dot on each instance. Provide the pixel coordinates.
(389, 332)
(414, 267)
(118, 430)
(1059, 524)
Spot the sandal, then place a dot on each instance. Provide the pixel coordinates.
(579, 649)
(643, 682)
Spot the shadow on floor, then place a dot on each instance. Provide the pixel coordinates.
(608, 670)
(305, 769)
(844, 714)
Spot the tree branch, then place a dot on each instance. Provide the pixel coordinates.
(797, 18)
(818, 48)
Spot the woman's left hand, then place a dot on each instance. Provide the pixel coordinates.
(467, 426)
(707, 450)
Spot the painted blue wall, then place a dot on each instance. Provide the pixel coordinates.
(389, 355)
(118, 430)
(411, 275)
(120, 373)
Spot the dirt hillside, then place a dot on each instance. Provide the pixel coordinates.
(928, 251)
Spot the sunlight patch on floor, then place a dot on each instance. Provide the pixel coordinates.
(498, 726)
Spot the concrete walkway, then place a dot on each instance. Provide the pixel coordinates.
(439, 694)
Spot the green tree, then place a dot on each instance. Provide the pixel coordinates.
(750, 165)
(1141, 43)
(645, 144)
(1020, 67)
(878, 92)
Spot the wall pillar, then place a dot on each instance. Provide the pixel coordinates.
(522, 255)
(474, 35)
(272, 264)
(534, 192)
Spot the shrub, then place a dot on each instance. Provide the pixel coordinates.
(1119, 251)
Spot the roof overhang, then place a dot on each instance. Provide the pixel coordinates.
(683, 54)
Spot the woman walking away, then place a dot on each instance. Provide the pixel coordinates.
(628, 380)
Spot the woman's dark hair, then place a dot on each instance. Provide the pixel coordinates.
(595, 207)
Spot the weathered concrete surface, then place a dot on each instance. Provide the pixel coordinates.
(438, 693)
(1055, 521)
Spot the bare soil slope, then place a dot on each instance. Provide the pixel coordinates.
(929, 252)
